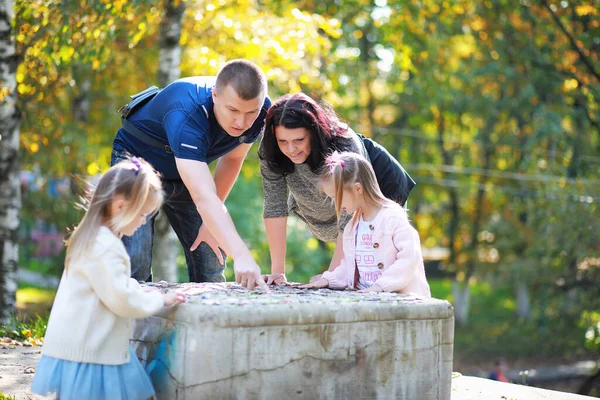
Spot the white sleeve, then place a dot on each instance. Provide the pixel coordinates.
(109, 277)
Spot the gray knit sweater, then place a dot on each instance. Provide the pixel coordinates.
(305, 199)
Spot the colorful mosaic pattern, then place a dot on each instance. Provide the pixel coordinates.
(234, 294)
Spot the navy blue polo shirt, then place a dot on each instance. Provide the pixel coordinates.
(182, 116)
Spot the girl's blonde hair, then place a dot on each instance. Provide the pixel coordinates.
(347, 168)
(133, 179)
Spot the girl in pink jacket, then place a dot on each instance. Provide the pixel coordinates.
(382, 251)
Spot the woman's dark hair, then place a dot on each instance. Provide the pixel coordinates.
(297, 110)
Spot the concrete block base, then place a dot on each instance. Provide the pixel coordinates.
(228, 343)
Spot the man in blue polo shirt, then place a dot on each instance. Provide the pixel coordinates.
(182, 129)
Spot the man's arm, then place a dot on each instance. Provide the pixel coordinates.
(228, 170)
(197, 178)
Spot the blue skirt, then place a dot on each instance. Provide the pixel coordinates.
(72, 380)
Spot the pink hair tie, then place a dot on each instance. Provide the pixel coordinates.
(333, 160)
(136, 164)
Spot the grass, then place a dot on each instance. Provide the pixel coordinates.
(7, 397)
(19, 329)
(33, 308)
(33, 294)
(33, 300)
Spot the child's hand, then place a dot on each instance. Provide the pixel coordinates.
(315, 278)
(373, 288)
(172, 298)
(318, 284)
(275, 279)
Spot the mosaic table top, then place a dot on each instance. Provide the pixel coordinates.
(228, 293)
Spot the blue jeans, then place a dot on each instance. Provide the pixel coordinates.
(203, 264)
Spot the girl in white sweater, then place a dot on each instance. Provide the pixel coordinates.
(86, 353)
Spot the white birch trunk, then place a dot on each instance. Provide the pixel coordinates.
(10, 189)
(166, 245)
(462, 299)
(523, 303)
(81, 103)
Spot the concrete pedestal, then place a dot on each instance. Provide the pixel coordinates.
(228, 343)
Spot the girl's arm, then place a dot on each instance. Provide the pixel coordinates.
(336, 260)
(402, 271)
(109, 277)
(335, 279)
(338, 278)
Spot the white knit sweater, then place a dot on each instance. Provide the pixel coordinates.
(89, 321)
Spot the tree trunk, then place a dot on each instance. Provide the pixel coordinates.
(462, 299)
(170, 49)
(460, 290)
(81, 103)
(523, 303)
(448, 159)
(591, 382)
(572, 173)
(365, 58)
(523, 280)
(166, 246)
(486, 152)
(164, 251)
(10, 189)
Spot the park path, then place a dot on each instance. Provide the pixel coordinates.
(17, 364)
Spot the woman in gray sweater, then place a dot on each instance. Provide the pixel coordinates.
(299, 134)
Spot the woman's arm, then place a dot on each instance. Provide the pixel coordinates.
(275, 217)
(276, 236)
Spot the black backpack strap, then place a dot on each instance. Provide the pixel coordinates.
(134, 131)
(137, 101)
(394, 181)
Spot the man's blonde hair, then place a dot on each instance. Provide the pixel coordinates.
(245, 77)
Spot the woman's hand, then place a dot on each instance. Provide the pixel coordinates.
(318, 284)
(276, 278)
(173, 298)
(315, 278)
